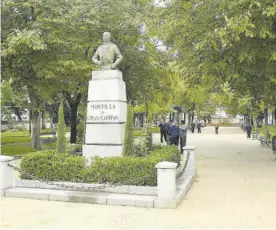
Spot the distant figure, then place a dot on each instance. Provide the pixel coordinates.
(163, 131)
(166, 128)
(248, 130)
(174, 134)
(199, 127)
(193, 127)
(182, 135)
(216, 129)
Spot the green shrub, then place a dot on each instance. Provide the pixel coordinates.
(61, 131)
(129, 140)
(129, 170)
(148, 131)
(75, 149)
(140, 148)
(81, 131)
(53, 166)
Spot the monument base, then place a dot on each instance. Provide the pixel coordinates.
(106, 115)
(102, 150)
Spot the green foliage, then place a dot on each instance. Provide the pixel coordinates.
(129, 140)
(225, 43)
(75, 149)
(148, 134)
(262, 131)
(137, 171)
(61, 131)
(53, 166)
(81, 131)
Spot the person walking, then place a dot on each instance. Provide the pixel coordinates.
(182, 135)
(174, 134)
(248, 130)
(198, 127)
(216, 129)
(163, 132)
(193, 127)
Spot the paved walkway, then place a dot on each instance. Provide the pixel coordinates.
(236, 188)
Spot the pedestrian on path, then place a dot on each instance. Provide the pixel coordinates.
(198, 127)
(248, 130)
(216, 129)
(163, 132)
(174, 134)
(182, 135)
(193, 127)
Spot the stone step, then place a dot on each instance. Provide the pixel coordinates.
(96, 197)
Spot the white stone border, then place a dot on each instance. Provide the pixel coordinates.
(123, 189)
(126, 195)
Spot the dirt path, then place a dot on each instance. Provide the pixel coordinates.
(236, 188)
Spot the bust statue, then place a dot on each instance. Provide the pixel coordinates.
(108, 55)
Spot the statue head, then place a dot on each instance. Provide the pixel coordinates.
(106, 37)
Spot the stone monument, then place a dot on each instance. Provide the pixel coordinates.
(107, 105)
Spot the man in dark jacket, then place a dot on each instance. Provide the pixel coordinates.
(182, 135)
(216, 129)
(174, 134)
(193, 127)
(163, 131)
(198, 127)
(248, 130)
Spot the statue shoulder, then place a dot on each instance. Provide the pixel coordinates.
(113, 45)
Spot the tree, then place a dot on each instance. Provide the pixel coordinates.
(129, 140)
(61, 131)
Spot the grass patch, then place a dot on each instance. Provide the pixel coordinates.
(19, 143)
(16, 149)
(138, 131)
(271, 128)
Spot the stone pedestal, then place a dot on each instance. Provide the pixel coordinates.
(166, 182)
(191, 162)
(6, 174)
(106, 115)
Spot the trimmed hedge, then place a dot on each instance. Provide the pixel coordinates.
(52, 166)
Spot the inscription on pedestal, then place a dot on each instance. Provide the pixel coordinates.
(105, 112)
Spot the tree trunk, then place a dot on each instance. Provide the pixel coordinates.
(30, 122)
(35, 130)
(17, 113)
(74, 104)
(43, 121)
(274, 117)
(73, 122)
(147, 111)
(255, 122)
(266, 120)
(189, 121)
(192, 118)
